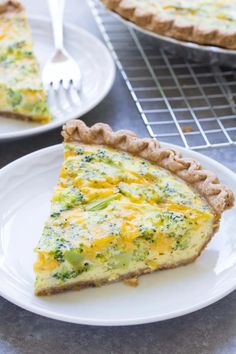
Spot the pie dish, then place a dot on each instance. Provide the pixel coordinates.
(211, 22)
(124, 206)
(21, 90)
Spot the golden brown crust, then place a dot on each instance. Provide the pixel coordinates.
(21, 117)
(10, 5)
(86, 284)
(99, 282)
(205, 182)
(173, 26)
(133, 282)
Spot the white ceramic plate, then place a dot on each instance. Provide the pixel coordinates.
(98, 73)
(26, 187)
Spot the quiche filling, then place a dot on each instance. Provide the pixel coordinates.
(215, 12)
(21, 90)
(114, 215)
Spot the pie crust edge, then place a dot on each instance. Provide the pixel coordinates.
(10, 5)
(171, 26)
(218, 196)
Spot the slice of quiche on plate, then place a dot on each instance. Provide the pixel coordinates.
(21, 91)
(122, 207)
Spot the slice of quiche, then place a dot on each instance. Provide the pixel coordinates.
(21, 90)
(124, 206)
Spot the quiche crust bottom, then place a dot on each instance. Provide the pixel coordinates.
(79, 285)
(19, 116)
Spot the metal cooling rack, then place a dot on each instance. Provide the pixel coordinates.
(180, 102)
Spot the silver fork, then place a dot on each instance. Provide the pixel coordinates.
(61, 69)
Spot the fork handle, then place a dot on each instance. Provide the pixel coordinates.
(56, 8)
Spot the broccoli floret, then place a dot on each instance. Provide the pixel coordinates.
(147, 232)
(15, 98)
(63, 276)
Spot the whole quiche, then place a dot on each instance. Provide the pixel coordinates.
(211, 22)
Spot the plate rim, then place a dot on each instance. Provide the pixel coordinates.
(104, 322)
(56, 124)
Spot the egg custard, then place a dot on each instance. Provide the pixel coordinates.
(123, 206)
(21, 90)
(202, 21)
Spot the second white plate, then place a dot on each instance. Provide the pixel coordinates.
(98, 73)
(26, 187)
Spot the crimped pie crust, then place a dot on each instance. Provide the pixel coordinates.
(9, 5)
(174, 26)
(205, 182)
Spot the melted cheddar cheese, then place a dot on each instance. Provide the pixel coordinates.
(113, 213)
(21, 90)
